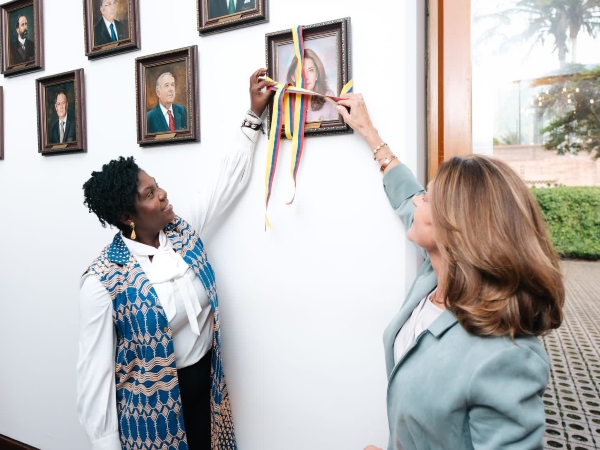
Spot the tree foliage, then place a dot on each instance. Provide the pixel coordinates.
(573, 108)
(559, 20)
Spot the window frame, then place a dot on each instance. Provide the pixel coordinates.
(449, 113)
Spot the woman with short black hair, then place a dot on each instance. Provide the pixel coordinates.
(149, 372)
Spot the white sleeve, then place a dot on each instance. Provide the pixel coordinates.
(231, 178)
(96, 391)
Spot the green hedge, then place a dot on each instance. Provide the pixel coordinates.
(573, 218)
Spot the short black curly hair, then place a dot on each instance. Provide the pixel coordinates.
(111, 192)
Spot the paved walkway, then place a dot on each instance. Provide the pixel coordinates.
(573, 396)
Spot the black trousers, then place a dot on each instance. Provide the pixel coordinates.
(194, 388)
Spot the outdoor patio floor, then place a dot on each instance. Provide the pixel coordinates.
(572, 400)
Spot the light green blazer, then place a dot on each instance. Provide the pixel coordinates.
(453, 390)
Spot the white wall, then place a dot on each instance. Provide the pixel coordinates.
(303, 306)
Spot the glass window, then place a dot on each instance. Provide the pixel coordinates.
(536, 88)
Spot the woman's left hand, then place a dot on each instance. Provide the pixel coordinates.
(372, 447)
(259, 97)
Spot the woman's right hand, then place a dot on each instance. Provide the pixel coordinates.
(357, 116)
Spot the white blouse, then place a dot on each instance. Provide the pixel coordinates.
(420, 319)
(181, 295)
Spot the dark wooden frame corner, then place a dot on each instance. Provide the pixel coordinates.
(42, 84)
(189, 55)
(10, 68)
(340, 28)
(128, 44)
(244, 18)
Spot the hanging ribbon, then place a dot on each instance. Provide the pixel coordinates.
(289, 111)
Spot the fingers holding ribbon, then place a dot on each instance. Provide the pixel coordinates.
(353, 109)
(259, 97)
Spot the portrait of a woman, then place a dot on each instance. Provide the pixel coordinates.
(319, 108)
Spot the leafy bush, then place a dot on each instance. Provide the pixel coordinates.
(573, 218)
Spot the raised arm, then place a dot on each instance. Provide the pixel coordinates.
(234, 170)
(399, 182)
(358, 118)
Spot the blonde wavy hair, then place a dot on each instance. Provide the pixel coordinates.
(502, 274)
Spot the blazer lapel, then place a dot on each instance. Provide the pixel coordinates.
(104, 32)
(118, 30)
(178, 124)
(442, 324)
(425, 282)
(439, 326)
(68, 127)
(161, 119)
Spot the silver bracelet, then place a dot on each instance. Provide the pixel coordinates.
(253, 114)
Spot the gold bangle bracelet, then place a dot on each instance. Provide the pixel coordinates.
(387, 162)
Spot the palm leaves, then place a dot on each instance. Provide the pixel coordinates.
(559, 20)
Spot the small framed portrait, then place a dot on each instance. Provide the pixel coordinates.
(215, 16)
(111, 27)
(326, 64)
(167, 97)
(1, 123)
(61, 113)
(22, 37)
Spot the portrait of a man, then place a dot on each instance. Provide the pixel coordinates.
(108, 28)
(22, 48)
(166, 115)
(62, 126)
(218, 8)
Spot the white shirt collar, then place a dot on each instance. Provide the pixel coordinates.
(168, 266)
(107, 23)
(164, 110)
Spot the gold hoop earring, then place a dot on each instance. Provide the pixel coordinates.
(132, 225)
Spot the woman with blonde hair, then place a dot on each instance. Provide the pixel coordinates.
(465, 367)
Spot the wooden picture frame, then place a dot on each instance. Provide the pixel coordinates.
(61, 97)
(1, 123)
(176, 90)
(99, 16)
(214, 16)
(328, 44)
(22, 37)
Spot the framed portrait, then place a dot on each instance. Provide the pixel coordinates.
(111, 27)
(327, 67)
(61, 113)
(1, 123)
(22, 37)
(167, 97)
(215, 16)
